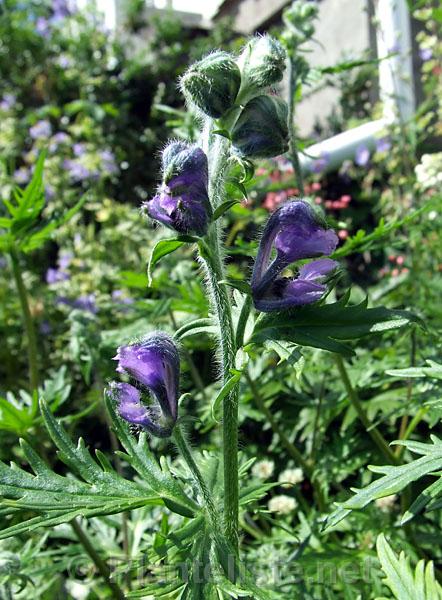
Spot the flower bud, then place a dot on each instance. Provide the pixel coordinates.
(262, 64)
(261, 129)
(182, 201)
(153, 363)
(296, 233)
(212, 84)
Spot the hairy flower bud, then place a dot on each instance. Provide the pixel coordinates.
(212, 84)
(261, 129)
(182, 201)
(154, 365)
(296, 233)
(262, 64)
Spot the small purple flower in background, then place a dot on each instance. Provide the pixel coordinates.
(383, 144)
(182, 202)
(109, 164)
(84, 302)
(64, 260)
(49, 192)
(79, 149)
(22, 175)
(362, 155)
(41, 130)
(55, 276)
(119, 297)
(154, 365)
(7, 102)
(57, 140)
(43, 27)
(76, 170)
(425, 54)
(319, 164)
(394, 48)
(64, 61)
(45, 328)
(296, 233)
(3, 262)
(62, 9)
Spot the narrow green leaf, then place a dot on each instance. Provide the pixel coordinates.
(238, 284)
(224, 391)
(223, 208)
(162, 248)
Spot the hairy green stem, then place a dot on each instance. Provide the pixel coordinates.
(222, 308)
(292, 144)
(27, 320)
(194, 373)
(101, 565)
(186, 453)
(212, 255)
(372, 431)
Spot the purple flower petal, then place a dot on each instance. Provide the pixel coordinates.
(182, 201)
(296, 233)
(154, 363)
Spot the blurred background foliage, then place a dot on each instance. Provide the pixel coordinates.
(102, 113)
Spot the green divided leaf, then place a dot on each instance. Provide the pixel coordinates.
(98, 490)
(395, 479)
(328, 325)
(433, 369)
(400, 578)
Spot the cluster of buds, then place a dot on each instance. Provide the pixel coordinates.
(298, 20)
(182, 201)
(234, 90)
(151, 400)
(296, 233)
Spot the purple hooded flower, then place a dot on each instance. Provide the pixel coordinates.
(296, 233)
(182, 201)
(41, 130)
(154, 365)
(362, 155)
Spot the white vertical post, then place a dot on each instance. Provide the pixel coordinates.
(396, 73)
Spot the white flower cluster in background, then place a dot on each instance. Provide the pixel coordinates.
(429, 171)
(291, 477)
(282, 504)
(263, 469)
